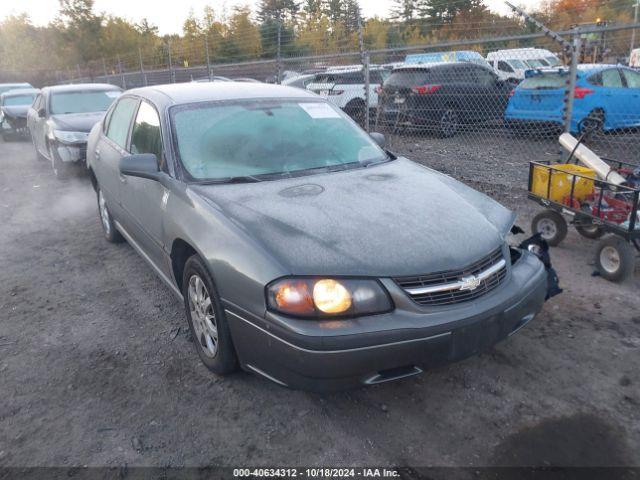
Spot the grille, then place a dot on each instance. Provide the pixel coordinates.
(443, 288)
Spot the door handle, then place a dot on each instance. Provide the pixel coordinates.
(97, 152)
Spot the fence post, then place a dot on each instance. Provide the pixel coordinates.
(144, 74)
(171, 73)
(571, 83)
(633, 32)
(365, 60)
(104, 67)
(206, 51)
(79, 73)
(122, 79)
(279, 51)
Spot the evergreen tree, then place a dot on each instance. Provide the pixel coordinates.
(404, 10)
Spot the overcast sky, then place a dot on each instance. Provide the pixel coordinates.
(169, 19)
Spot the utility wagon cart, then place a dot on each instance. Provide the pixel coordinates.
(598, 209)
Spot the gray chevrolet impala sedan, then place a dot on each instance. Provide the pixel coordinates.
(303, 251)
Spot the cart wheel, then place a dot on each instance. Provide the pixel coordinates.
(592, 231)
(551, 225)
(615, 258)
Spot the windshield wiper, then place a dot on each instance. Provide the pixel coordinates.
(227, 180)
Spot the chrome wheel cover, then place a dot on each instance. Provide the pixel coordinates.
(104, 213)
(449, 122)
(203, 317)
(610, 259)
(547, 228)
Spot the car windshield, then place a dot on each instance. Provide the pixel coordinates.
(546, 81)
(82, 101)
(226, 140)
(18, 100)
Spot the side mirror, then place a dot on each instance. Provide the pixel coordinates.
(379, 139)
(42, 112)
(144, 165)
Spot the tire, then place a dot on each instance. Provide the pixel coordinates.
(588, 229)
(448, 123)
(551, 225)
(593, 123)
(356, 110)
(615, 258)
(207, 321)
(108, 226)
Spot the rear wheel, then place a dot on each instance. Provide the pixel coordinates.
(551, 226)
(615, 258)
(108, 227)
(593, 123)
(206, 317)
(448, 124)
(587, 228)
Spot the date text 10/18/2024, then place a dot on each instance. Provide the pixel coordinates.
(316, 472)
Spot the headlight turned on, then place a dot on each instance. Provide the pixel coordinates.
(327, 297)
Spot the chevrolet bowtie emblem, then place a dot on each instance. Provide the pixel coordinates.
(470, 283)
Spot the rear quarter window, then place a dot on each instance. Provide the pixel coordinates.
(547, 81)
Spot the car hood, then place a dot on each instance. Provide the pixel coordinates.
(395, 219)
(76, 122)
(16, 111)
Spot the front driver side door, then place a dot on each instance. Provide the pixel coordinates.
(145, 200)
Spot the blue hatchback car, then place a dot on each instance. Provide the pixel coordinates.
(607, 97)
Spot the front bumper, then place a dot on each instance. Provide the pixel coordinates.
(70, 153)
(335, 355)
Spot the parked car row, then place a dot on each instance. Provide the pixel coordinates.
(266, 210)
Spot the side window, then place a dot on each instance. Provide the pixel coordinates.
(504, 67)
(484, 76)
(146, 136)
(596, 79)
(120, 121)
(632, 78)
(611, 78)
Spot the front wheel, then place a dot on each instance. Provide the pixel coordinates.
(551, 226)
(448, 124)
(108, 227)
(206, 317)
(615, 258)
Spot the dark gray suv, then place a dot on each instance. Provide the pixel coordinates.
(302, 250)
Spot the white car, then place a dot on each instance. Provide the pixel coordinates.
(511, 64)
(345, 88)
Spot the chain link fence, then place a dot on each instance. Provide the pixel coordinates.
(487, 105)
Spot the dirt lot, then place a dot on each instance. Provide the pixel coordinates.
(96, 367)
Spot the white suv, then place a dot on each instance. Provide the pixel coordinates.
(345, 88)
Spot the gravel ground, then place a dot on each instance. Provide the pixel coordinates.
(96, 367)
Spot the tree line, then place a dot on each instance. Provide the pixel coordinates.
(80, 39)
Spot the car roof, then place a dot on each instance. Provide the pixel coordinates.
(17, 84)
(182, 93)
(20, 91)
(583, 68)
(81, 87)
(417, 66)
